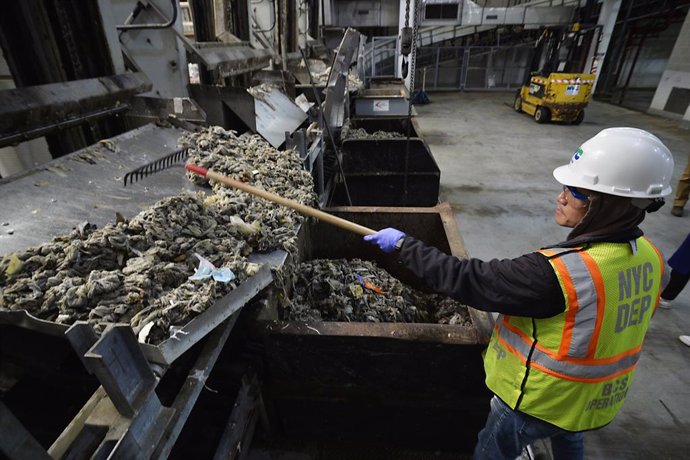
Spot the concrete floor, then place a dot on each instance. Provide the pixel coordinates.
(496, 169)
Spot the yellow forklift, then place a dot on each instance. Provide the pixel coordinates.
(556, 92)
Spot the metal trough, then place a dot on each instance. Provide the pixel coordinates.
(375, 173)
(389, 100)
(407, 386)
(388, 124)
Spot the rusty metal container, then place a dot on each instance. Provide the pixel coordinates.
(408, 386)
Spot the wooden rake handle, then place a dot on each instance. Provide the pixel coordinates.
(299, 207)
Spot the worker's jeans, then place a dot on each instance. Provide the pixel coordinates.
(508, 432)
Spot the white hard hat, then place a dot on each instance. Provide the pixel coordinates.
(626, 162)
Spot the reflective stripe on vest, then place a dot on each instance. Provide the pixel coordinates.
(574, 360)
(555, 251)
(585, 288)
(577, 370)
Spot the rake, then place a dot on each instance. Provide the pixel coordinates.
(156, 166)
(177, 156)
(297, 206)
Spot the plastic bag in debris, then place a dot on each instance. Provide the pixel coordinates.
(207, 270)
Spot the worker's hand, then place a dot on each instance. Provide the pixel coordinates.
(385, 239)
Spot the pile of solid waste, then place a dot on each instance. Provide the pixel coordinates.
(146, 271)
(348, 133)
(250, 159)
(359, 291)
(354, 83)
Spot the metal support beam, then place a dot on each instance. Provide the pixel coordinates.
(196, 379)
(30, 112)
(617, 48)
(122, 369)
(124, 418)
(336, 89)
(241, 424)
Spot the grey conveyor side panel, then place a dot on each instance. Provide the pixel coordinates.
(87, 185)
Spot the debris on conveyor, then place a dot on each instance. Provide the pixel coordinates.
(251, 159)
(354, 83)
(348, 133)
(133, 272)
(359, 291)
(137, 271)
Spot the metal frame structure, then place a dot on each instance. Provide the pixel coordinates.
(470, 67)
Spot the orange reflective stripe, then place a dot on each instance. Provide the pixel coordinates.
(609, 360)
(512, 350)
(555, 251)
(516, 330)
(577, 370)
(583, 379)
(597, 361)
(573, 360)
(598, 280)
(572, 312)
(528, 340)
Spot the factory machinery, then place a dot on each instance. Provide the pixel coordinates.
(238, 380)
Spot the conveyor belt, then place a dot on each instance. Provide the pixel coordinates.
(86, 185)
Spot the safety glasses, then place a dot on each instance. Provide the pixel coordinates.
(575, 193)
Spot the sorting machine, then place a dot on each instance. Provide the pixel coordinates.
(237, 381)
(237, 377)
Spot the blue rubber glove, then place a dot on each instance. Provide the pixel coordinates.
(385, 239)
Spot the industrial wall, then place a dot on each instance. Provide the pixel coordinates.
(652, 60)
(157, 52)
(354, 13)
(672, 97)
(26, 155)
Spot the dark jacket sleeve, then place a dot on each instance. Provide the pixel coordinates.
(524, 286)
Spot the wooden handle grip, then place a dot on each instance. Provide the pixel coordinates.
(299, 207)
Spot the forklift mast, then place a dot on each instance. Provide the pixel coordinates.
(564, 49)
(559, 49)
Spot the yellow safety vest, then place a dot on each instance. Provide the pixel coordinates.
(574, 369)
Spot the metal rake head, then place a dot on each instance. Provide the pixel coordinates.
(156, 166)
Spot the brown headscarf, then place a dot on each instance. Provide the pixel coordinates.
(607, 215)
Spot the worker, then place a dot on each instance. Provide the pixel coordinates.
(682, 192)
(573, 315)
(680, 275)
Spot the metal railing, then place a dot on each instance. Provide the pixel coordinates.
(379, 57)
(461, 67)
(379, 54)
(473, 67)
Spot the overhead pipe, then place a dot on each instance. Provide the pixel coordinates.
(138, 9)
(283, 33)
